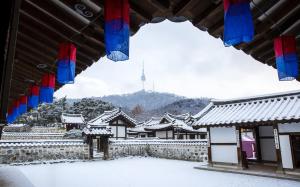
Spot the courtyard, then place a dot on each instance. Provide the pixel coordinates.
(135, 172)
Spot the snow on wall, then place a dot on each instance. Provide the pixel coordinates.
(289, 127)
(121, 131)
(30, 136)
(38, 150)
(222, 135)
(286, 155)
(161, 134)
(194, 150)
(224, 153)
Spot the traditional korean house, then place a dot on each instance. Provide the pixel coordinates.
(140, 132)
(274, 120)
(116, 120)
(72, 121)
(171, 127)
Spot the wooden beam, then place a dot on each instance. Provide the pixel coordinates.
(182, 6)
(161, 4)
(10, 35)
(277, 148)
(211, 10)
(40, 36)
(142, 13)
(209, 157)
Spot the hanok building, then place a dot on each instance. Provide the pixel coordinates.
(72, 121)
(274, 121)
(140, 132)
(116, 120)
(171, 127)
(32, 31)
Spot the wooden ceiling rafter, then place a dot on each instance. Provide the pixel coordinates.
(44, 24)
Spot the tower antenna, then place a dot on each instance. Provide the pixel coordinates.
(143, 77)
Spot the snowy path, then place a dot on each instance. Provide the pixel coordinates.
(140, 172)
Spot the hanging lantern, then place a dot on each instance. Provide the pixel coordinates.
(116, 15)
(286, 57)
(238, 23)
(9, 117)
(33, 99)
(23, 104)
(47, 88)
(15, 112)
(66, 63)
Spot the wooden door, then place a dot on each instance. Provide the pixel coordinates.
(295, 141)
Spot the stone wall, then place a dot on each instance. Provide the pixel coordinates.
(38, 129)
(192, 150)
(30, 136)
(41, 150)
(17, 128)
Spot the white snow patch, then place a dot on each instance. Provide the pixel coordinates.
(140, 171)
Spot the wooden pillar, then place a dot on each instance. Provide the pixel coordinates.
(209, 160)
(173, 135)
(241, 161)
(98, 144)
(9, 29)
(277, 148)
(105, 142)
(257, 143)
(90, 141)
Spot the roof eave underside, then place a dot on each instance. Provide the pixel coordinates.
(44, 24)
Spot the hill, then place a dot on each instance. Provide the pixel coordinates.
(147, 100)
(192, 106)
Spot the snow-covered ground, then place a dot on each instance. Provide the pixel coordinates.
(139, 172)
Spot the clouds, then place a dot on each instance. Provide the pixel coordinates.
(180, 59)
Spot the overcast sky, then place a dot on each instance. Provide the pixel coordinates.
(179, 59)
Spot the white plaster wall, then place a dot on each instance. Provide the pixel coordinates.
(268, 152)
(114, 131)
(224, 153)
(289, 127)
(170, 134)
(161, 134)
(222, 135)
(286, 154)
(121, 131)
(266, 131)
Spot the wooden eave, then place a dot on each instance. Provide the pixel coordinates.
(43, 24)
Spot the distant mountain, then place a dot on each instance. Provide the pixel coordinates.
(147, 100)
(141, 105)
(192, 106)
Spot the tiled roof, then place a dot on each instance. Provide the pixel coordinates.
(72, 118)
(97, 130)
(107, 116)
(281, 107)
(32, 143)
(175, 121)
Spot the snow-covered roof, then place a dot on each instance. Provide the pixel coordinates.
(170, 121)
(97, 130)
(141, 127)
(281, 107)
(32, 143)
(72, 118)
(108, 116)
